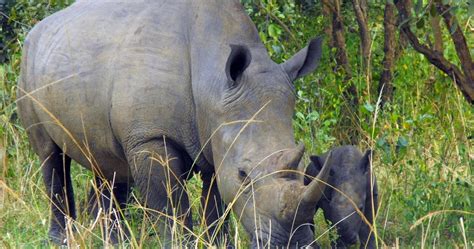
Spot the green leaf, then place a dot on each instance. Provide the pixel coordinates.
(424, 117)
(369, 107)
(433, 11)
(418, 6)
(263, 37)
(402, 142)
(300, 115)
(420, 24)
(274, 31)
(470, 9)
(277, 49)
(453, 27)
(381, 142)
(313, 116)
(300, 93)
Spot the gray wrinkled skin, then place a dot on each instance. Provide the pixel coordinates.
(350, 173)
(135, 90)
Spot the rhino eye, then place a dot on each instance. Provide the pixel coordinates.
(242, 174)
(244, 178)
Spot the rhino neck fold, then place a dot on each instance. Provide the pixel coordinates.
(213, 27)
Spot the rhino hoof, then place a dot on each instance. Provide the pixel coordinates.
(57, 237)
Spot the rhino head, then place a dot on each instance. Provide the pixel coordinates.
(350, 175)
(253, 149)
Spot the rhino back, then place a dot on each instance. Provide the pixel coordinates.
(104, 70)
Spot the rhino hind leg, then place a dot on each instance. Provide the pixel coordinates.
(110, 204)
(57, 178)
(55, 168)
(159, 172)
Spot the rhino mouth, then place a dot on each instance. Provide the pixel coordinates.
(279, 239)
(259, 243)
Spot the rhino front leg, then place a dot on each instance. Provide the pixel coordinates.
(57, 179)
(214, 209)
(366, 236)
(102, 202)
(159, 172)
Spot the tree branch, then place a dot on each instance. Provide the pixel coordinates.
(464, 82)
(459, 41)
(385, 82)
(361, 16)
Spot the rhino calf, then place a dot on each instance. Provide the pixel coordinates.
(350, 174)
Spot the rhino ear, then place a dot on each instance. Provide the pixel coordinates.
(313, 169)
(317, 162)
(239, 59)
(366, 160)
(305, 61)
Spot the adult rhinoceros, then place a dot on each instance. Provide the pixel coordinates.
(139, 90)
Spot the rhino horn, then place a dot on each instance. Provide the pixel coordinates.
(315, 189)
(289, 160)
(293, 157)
